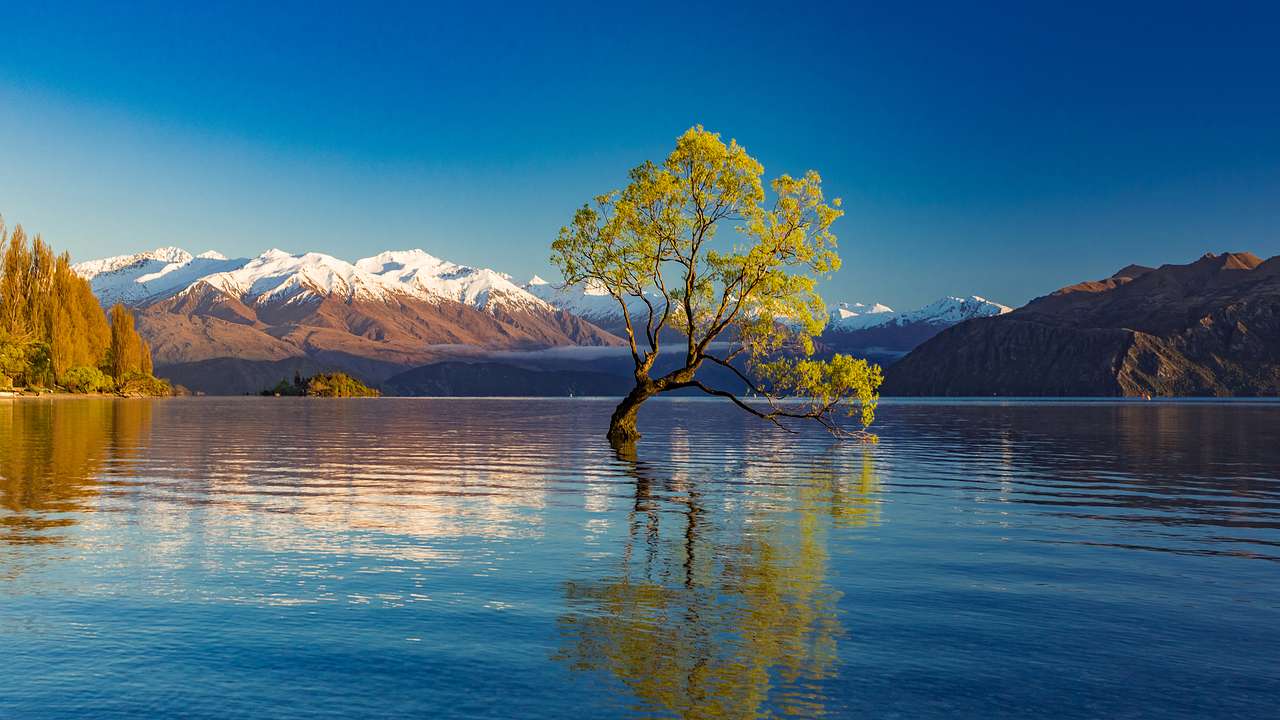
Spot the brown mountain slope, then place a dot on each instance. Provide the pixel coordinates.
(1211, 327)
(235, 376)
(205, 323)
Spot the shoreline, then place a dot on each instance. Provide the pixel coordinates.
(24, 395)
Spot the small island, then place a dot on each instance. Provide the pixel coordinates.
(334, 384)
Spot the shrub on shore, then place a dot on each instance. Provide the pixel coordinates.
(84, 379)
(144, 385)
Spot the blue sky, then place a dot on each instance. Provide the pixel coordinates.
(988, 149)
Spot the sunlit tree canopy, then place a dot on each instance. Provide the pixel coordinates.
(698, 248)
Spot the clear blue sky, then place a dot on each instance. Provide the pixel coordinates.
(993, 149)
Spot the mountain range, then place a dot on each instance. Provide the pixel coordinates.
(859, 327)
(228, 325)
(377, 316)
(1209, 327)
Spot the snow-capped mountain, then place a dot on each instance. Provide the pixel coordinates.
(581, 301)
(277, 276)
(858, 327)
(599, 307)
(134, 279)
(951, 310)
(596, 305)
(945, 312)
(375, 316)
(425, 275)
(852, 316)
(585, 301)
(163, 256)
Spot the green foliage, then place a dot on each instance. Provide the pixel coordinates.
(657, 243)
(139, 384)
(84, 379)
(13, 357)
(335, 384)
(284, 388)
(39, 370)
(827, 383)
(338, 385)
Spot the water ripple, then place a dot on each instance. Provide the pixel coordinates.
(302, 558)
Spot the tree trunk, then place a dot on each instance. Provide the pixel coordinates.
(622, 426)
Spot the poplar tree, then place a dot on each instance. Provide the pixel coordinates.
(126, 346)
(51, 323)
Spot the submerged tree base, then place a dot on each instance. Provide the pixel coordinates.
(623, 434)
(622, 426)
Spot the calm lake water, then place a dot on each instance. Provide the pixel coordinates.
(282, 558)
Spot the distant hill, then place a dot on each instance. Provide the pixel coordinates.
(235, 376)
(1208, 328)
(489, 379)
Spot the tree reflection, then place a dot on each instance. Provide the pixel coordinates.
(720, 615)
(53, 454)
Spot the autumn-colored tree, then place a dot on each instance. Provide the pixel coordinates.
(127, 347)
(655, 244)
(78, 333)
(147, 368)
(50, 321)
(15, 276)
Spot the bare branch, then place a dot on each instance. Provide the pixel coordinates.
(771, 417)
(741, 375)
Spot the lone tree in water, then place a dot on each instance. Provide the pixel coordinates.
(653, 247)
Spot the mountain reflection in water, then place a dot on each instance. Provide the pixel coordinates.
(250, 557)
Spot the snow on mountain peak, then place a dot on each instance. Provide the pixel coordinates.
(945, 311)
(855, 316)
(950, 310)
(132, 279)
(857, 309)
(588, 300)
(276, 276)
(421, 274)
(164, 255)
(404, 265)
(279, 276)
(170, 254)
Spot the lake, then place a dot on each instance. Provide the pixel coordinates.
(289, 558)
